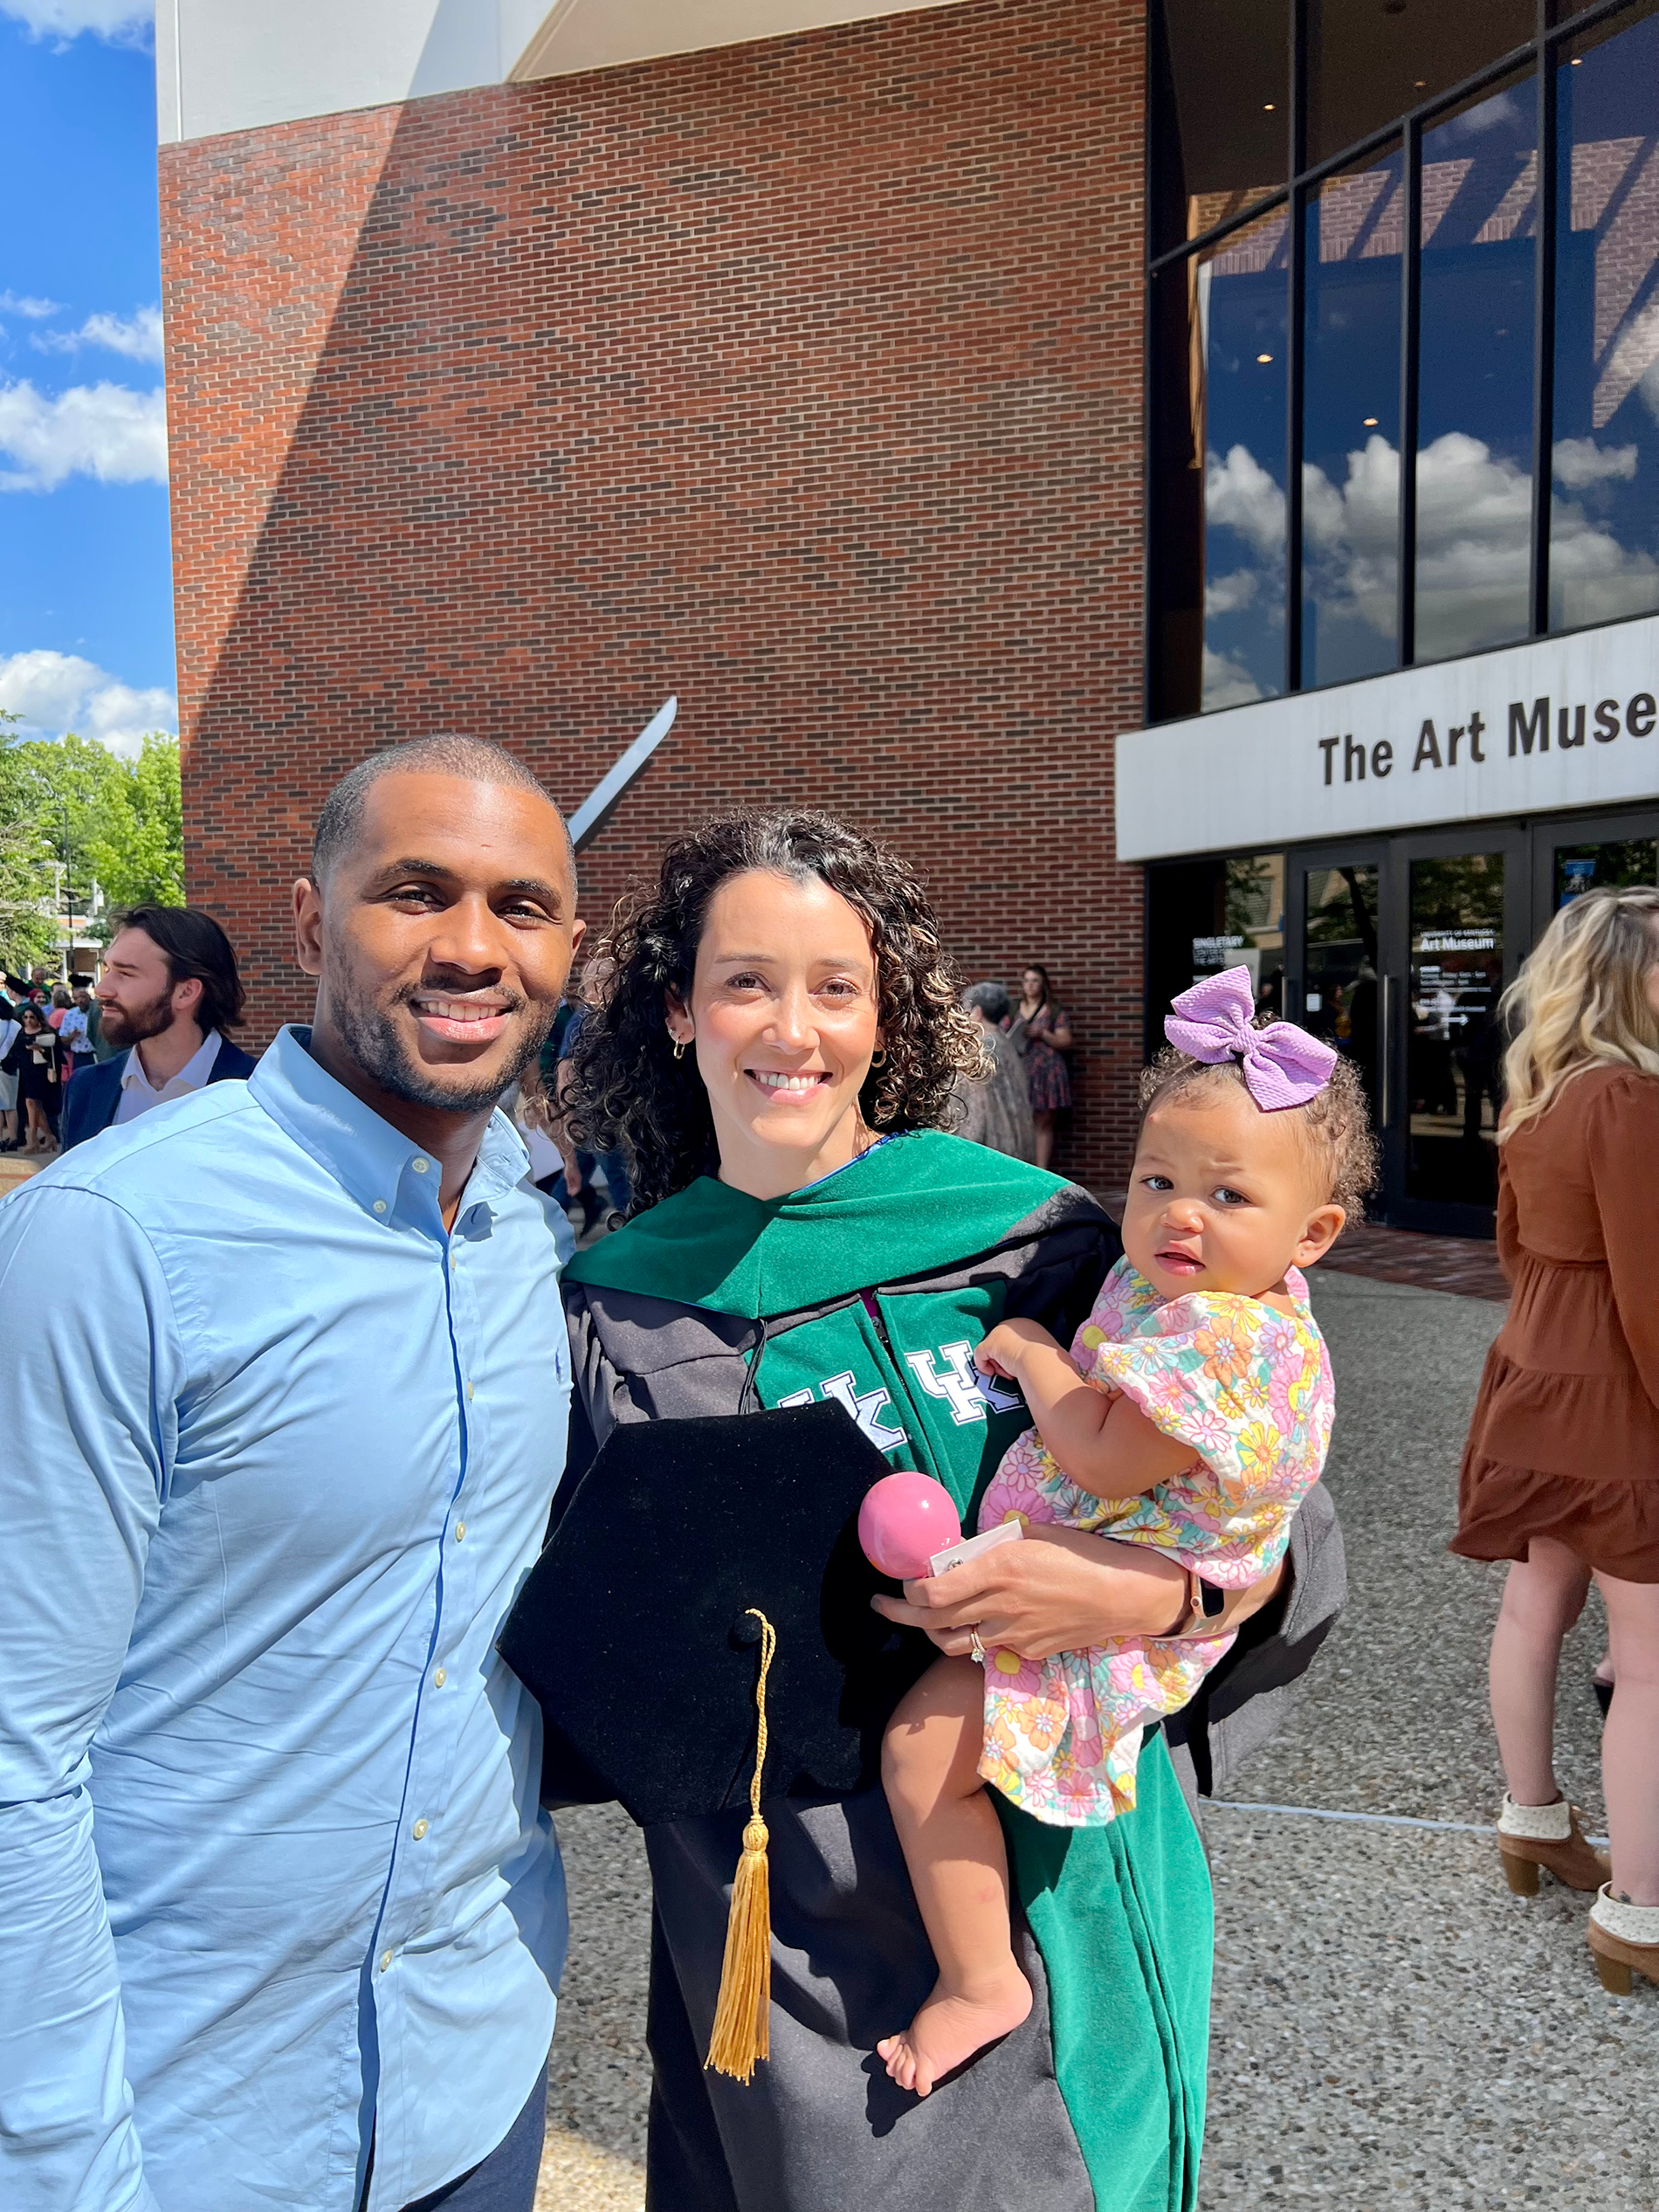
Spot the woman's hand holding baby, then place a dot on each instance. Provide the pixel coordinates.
(1061, 1590)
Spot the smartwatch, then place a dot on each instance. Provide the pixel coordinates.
(1205, 1604)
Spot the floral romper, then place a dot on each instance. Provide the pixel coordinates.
(1249, 1388)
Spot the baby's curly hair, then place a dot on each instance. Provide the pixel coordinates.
(1336, 1122)
(629, 1087)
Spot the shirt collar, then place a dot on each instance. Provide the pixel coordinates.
(364, 1154)
(193, 1075)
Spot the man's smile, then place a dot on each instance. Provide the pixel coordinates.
(458, 1019)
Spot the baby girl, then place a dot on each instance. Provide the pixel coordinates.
(1193, 1415)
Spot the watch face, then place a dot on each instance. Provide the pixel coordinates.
(1211, 1599)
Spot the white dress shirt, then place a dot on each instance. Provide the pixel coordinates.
(139, 1095)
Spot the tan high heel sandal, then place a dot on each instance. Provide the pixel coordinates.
(1625, 1940)
(1570, 1857)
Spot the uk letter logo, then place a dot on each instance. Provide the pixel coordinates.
(864, 1406)
(960, 1384)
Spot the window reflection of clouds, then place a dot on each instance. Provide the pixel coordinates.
(1604, 517)
(1351, 425)
(1475, 379)
(1475, 455)
(1237, 336)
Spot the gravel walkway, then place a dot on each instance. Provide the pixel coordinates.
(1392, 2029)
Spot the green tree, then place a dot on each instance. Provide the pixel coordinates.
(102, 818)
(136, 839)
(26, 927)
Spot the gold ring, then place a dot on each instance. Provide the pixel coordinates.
(976, 1649)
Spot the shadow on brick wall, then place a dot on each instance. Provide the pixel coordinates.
(802, 379)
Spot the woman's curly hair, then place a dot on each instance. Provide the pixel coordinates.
(627, 1086)
(1335, 1121)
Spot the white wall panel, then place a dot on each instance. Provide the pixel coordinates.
(1424, 745)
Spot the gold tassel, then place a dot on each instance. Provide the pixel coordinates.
(741, 2017)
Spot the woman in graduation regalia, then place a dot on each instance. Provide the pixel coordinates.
(778, 1050)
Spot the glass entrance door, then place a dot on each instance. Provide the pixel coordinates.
(1453, 1046)
(1455, 930)
(1398, 952)
(1340, 992)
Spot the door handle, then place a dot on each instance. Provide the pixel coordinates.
(1386, 1087)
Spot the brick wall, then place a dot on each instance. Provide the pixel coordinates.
(802, 379)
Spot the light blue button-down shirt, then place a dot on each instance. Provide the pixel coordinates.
(278, 1452)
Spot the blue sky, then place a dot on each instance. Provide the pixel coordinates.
(85, 583)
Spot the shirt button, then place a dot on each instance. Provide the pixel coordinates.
(460, 1530)
(379, 1205)
(469, 1391)
(440, 1677)
(418, 1831)
(385, 1961)
(420, 1166)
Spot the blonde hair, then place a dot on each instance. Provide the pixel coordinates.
(1581, 999)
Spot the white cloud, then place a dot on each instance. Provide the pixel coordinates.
(106, 430)
(139, 337)
(1239, 495)
(119, 19)
(1474, 543)
(58, 692)
(1227, 682)
(1578, 461)
(35, 310)
(1228, 595)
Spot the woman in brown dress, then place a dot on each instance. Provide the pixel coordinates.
(1561, 1471)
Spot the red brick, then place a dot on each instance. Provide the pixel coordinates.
(802, 379)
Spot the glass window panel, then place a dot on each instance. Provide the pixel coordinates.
(1350, 424)
(1604, 506)
(1454, 1045)
(1237, 329)
(1370, 62)
(1340, 999)
(1205, 915)
(1626, 863)
(1221, 117)
(1475, 382)
(1218, 560)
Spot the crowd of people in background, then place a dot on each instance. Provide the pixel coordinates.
(77, 1057)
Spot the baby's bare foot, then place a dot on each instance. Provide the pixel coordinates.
(949, 2028)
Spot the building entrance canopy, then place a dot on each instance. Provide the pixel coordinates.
(1570, 721)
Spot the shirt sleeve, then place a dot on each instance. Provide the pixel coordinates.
(1621, 1137)
(1509, 1225)
(94, 1368)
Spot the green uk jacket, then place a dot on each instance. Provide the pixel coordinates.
(870, 1289)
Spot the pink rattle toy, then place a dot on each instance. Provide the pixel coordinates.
(904, 1521)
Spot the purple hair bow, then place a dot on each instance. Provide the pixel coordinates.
(1284, 1066)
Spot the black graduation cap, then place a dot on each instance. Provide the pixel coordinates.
(635, 1633)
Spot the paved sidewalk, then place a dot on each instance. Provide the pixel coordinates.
(1392, 2029)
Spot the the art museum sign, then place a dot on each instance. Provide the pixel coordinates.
(1564, 722)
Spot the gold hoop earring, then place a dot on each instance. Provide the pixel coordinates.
(879, 1059)
(680, 1047)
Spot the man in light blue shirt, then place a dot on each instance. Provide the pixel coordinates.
(283, 1920)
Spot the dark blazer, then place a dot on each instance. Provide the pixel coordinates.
(91, 1098)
